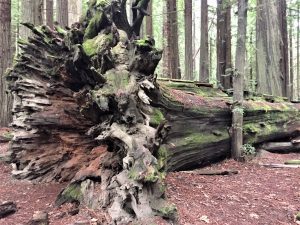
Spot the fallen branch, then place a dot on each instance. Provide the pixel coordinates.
(280, 166)
(292, 162)
(213, 172)
(7, 208)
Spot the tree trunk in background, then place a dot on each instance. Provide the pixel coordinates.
(291, 55)
(238, 84)
(284, 63)
(298, 48)
(251, 84)
(188, 29)
(172, 40)
(149, 23)
(129, 11)
(49, 13)
(204, 73)
(165, 31)
(62, 12)
(194, 40)
(5, 59)
(268, 53)
(32, 12)
(211, 43)
(224, 43)
(75, 11)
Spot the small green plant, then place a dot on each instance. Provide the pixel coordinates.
(248, 150)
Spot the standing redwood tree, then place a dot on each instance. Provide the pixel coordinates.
(224, 43)
(31, 12)
(5, 59)
(284, 61)
(238, 82)
(149, 22)
(270, 79)
(172, 40)
(204, 63)
(62, 13)
(49, 13)
(74, 11)
(188, 30)
(291, 54)
(298, 52)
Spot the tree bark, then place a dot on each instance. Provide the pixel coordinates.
(75, 11)
(149, 22)
(238, 82)
(292, 79)
(49, 13)
(268, 53)
(172, 40)
(224, 44)
(188, 30)
(204, 64)
(298, 52)
(31, 12)
(284, 60)
(5, 60)
(62, 12)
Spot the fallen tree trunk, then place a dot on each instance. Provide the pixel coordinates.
(281, 147)
(296, 140)
(89, 110)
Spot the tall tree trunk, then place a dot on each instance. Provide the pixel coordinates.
(49, 13)
(165, 31)
(149, 22)
(298, 52)
(251, 65)
(75, 11)
(238, 84)
(284, 62)
(188, 30)
(268, 39)
(62, 12)
(129, 12)
(204, 72)
(172, 40)
(210, 55)
(224, 43)
(31, 12)
(292, 80)
(194, 39)
(5, 59)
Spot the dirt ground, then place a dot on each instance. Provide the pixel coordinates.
(256, 195)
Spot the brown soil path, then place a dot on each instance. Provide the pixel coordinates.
(255, 196)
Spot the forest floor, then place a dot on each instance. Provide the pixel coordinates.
(256, 195)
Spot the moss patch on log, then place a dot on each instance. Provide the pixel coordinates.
(198, 139)
(72, 193)
(92, 46)
(96, 24)
(156, 117)
(193, 88)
